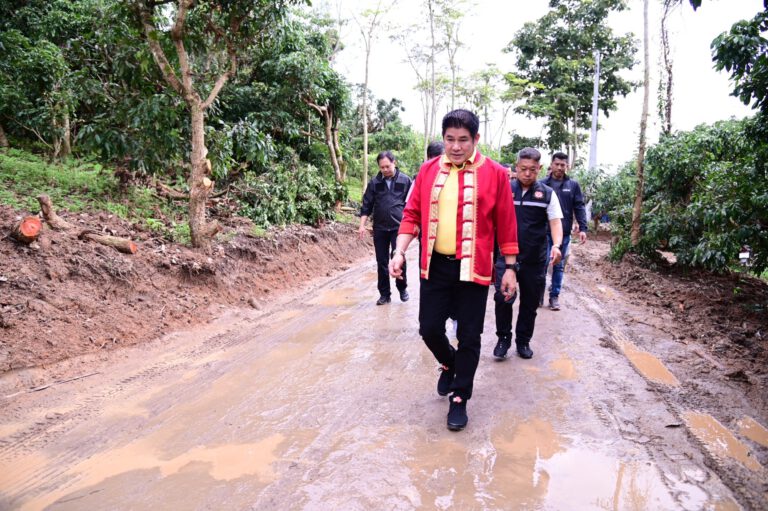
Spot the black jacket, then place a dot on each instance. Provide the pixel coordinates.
(384, 204)
(532, 221)
(571, 202)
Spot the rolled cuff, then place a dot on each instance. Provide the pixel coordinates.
(509, 249)
(408, 228)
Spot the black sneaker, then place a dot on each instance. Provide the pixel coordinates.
(457, 414)
(554, 303)
(500, 351)
(524, 350)
(383, 300)
(446, 379)
(404, 296)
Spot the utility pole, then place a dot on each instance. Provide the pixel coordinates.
(595, 110)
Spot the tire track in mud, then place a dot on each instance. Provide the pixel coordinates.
(748, 486)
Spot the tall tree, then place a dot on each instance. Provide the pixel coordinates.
(449, 20)
(369, 25)
(556, 53)
(421, 54)
(667, 68)
(204, 41)
(637, 208)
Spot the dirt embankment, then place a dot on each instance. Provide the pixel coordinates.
(62, 297)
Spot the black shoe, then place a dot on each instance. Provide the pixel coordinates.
(383, 299)
(500, 351)
(457, 414)
(446, 379)
(524, 350)
(554, 303)
(404, 296)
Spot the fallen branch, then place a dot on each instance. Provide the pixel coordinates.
(28, 229)
(171, 193)
(123, 245)
(49, 214)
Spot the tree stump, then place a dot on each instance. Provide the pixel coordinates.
(28, 229)
(49, 214)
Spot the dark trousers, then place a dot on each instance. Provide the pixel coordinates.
(440, 295)
(384, 243)
(530, 281)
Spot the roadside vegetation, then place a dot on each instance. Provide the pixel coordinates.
(88, 117)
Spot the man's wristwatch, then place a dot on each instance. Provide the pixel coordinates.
(559, 246)
(396, 251)
(515, 267)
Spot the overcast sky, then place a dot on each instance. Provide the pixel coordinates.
(701, 93)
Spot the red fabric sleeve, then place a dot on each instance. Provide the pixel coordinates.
(411, 222)
(506, 221)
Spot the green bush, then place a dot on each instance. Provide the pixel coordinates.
(706, 196)
(293, 193)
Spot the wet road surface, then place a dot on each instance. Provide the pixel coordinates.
(325, 401)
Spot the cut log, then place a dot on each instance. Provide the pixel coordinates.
(123, 245)
(49, 214)
(28, 229)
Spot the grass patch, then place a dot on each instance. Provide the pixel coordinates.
(79, 185)
(355, 189)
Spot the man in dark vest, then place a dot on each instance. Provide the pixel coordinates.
(536, 208)
(385, 199)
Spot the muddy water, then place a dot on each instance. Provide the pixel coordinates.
(328, 402)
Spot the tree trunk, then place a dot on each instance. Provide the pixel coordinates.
(200, 186)
(330, 144)
(575, 140)
(3, 139)
(667, 76)
(365, 120)
(637, 208)
(432, 84)
(337, 150)
(66, 138)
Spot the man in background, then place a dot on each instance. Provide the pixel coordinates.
(385, 199)
(572, 203)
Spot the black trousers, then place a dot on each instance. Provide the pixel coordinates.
(530, 282)
(384, 243)
(440, 295)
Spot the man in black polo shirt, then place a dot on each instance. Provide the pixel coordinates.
(384, 199)
(536, 208)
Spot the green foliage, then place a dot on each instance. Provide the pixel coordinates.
(509, 151)
(403, 141)
(743, 52)
(293, 193)
(706, 196)
(556, 64)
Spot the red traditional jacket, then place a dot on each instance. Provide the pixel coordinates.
(485, 210)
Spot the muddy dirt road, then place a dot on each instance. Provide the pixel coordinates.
(325, 401)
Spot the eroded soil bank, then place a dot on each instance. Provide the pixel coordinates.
(63, 297)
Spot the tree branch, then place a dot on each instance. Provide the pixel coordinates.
(157, 51)
(177, 34)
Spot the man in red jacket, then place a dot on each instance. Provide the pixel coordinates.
(459, 202)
